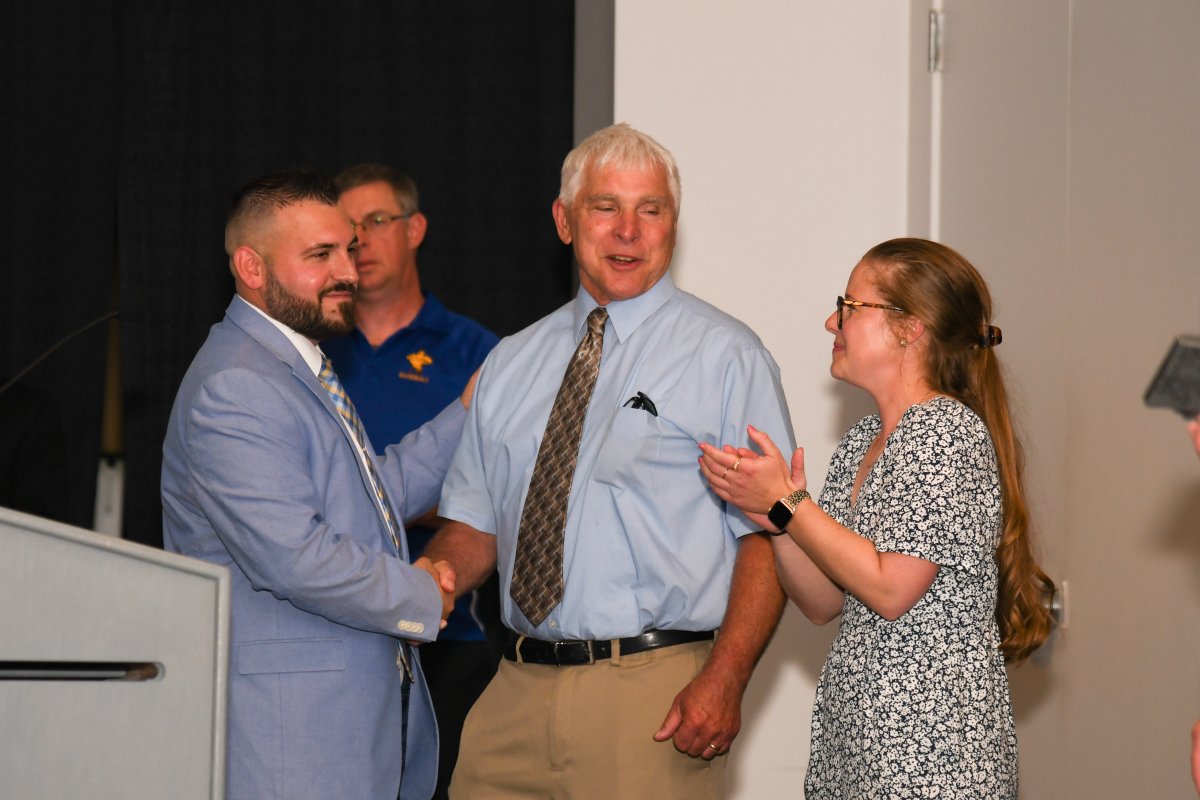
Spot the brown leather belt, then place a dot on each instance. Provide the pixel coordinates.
(575, 652)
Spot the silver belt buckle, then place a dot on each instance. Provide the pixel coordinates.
(587, 644)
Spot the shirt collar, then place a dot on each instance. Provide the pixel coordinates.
(311, 354)
(431, 316)
(625, 316)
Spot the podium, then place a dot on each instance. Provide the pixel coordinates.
(113, 667)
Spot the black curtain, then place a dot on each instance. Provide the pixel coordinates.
(129, 125)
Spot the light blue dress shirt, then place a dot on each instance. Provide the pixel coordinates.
(648, 545)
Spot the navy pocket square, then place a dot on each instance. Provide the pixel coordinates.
(640, 400)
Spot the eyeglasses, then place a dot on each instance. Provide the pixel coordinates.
(376, 222)
(842, 303)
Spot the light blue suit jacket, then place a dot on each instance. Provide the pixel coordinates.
(261, 476)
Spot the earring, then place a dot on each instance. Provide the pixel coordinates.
(904, 342)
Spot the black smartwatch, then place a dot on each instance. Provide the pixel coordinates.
(781, 513)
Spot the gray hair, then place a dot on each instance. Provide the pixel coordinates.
(403, 186)
(622, 146)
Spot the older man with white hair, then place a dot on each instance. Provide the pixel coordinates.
(638, 602)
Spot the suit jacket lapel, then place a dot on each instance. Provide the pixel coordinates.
(270, 337)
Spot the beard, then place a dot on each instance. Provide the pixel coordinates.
(304, 317)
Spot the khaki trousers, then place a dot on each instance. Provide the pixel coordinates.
(581, 732)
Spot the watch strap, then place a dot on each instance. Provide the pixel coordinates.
(781, 513)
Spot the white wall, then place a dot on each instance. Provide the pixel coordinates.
(1073, 181)
(789, 121)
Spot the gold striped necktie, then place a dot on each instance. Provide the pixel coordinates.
(341, 401)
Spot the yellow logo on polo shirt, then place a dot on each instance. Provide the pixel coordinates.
(419, 361)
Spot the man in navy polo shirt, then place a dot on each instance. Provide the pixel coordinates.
(407, 358)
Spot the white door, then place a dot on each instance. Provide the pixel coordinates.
(1057, 148)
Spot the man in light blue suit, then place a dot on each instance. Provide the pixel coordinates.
(263, 475)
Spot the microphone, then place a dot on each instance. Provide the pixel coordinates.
(103, 318)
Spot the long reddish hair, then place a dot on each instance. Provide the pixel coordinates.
(940, 288)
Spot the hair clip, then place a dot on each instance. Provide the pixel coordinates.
(989, 336)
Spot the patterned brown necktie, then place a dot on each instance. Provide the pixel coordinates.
(537, 582)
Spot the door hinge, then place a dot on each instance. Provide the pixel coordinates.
(935, 41)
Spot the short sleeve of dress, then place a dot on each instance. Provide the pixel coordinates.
(938, 497)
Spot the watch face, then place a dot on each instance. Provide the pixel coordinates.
(780, 515)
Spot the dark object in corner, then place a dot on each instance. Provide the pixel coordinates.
(1177, 383)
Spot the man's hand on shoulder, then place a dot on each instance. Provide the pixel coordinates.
(443, 575)
(706, 716)
(469, 391)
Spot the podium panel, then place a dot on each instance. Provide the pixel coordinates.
(113, 666)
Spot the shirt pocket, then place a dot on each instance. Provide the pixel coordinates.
(629, 447)
(291, 655)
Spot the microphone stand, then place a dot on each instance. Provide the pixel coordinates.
(110, 473)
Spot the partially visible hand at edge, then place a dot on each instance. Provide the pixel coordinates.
(443, 575)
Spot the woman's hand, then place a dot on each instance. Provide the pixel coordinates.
(750, 481)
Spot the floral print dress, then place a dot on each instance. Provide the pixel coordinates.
(919, 707)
